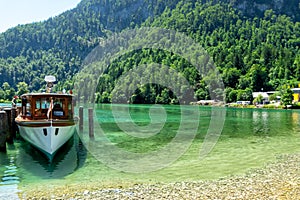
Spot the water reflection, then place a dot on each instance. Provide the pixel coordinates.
(296, 122)
(9, 177)
(22, 163)
(260, 122)
(70, 157)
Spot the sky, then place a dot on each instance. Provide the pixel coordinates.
(15, 12)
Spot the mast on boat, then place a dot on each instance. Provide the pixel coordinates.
(50, 83)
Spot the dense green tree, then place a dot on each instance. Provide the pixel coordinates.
(259, 77)
(5, 86)
(231, 77)
(9, 94)
(230, 95)
(259, 99)
(253, 52)
(287, 97)
(245, 95)
(273, 97)
(22, 88)
(2, 94)
(201, 94)
(7, 91)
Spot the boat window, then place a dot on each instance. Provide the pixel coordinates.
(58, 107)
(61, 107)
(38, 110)
(38, 104)
(41, 107)
(28, 108)
(45, 103)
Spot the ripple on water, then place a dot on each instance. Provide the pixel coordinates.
(9, 182)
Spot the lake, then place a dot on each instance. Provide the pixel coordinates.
(153, 143)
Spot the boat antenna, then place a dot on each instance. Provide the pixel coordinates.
(50, 83)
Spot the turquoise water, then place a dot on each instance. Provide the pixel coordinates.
(125, 136)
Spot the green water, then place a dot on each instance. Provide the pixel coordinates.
(250, 138)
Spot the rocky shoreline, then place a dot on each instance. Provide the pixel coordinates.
(278, 180)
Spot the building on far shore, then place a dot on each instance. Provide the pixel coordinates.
(265, 96)
(296, 94)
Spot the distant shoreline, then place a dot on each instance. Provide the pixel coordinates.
(235, 105)
(267, 106)
(221, 104)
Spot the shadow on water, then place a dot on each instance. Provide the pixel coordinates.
(70, 157)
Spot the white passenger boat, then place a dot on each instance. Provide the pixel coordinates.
(47, 119)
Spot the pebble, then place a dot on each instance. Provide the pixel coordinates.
(279, 180)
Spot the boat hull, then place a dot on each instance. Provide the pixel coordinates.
(47, 138)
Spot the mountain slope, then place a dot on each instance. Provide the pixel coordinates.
(251, 53)
(58, 45)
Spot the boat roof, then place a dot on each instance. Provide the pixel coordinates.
(47, 94)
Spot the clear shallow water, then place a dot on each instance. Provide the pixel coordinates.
(250, 138)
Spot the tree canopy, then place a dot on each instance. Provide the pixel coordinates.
(251, 52)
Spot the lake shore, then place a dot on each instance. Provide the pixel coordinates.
(246, 104)
(278, 180)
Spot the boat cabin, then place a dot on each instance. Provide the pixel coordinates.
(47, 106)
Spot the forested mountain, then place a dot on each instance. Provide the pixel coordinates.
(253, 45)
(256, 8)
(58, 45)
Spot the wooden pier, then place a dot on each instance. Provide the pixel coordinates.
(8, 126)
(90, 122)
